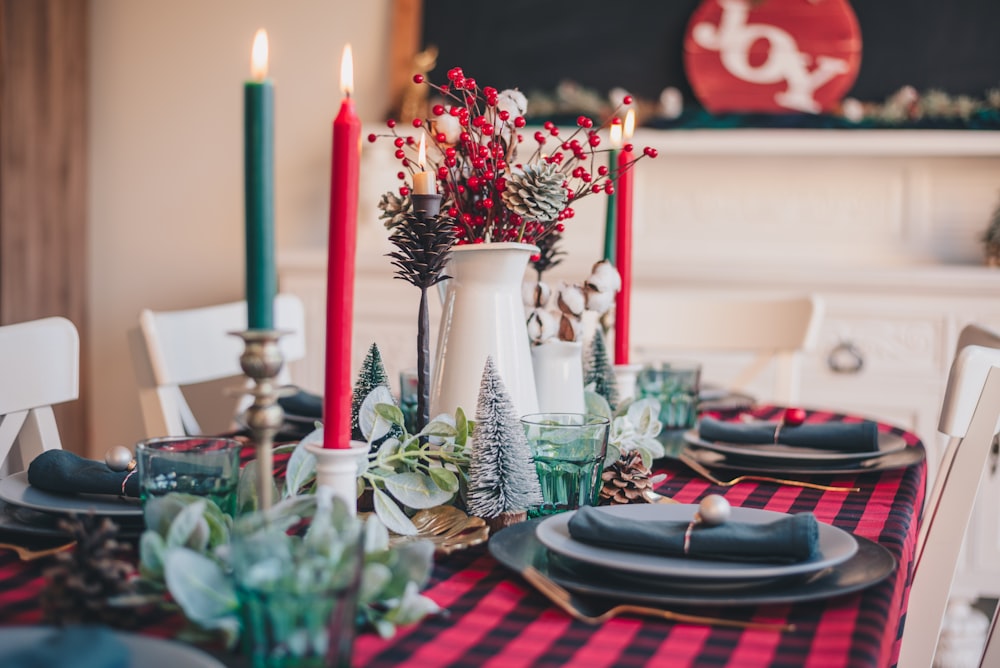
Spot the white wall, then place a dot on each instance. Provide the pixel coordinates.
(166, 205)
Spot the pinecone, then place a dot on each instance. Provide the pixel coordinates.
(424, 246)
(626, 481)
(79, 584)
(394, 209)
(536, 192)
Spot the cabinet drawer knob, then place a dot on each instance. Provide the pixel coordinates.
(845, 358)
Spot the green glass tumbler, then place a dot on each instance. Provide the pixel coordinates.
(568, 450)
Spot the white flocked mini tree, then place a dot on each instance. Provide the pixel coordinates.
(503, 482)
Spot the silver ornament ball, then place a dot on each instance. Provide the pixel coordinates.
(714, 510)
(118, 458)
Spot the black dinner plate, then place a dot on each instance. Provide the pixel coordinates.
(897, 459)
(516, 547)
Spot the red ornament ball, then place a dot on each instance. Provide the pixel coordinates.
(418, 78)
(372, 137)
(793, 417)
(627, 99)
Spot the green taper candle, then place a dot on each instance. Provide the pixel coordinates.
(609, 216)
(258, 146)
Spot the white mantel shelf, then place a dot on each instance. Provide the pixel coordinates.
(782, 142)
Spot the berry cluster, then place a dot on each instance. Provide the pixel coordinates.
(473, 138)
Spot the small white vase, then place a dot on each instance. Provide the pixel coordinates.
(558, 369)
(483, 315)
(626, 376)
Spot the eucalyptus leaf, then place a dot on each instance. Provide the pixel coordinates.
(300, 470)
(392, 515)
(389, 447)
(411, 562)
(612, 456)
(246, 489)
(411, 607)
(152, 551)
(416, 490)
(461, 427)
(374, 578)
(376, 536)
(388, 410)
(440, 429)
(444, 479)
(374, 425)
(596, 404)
(189, 528)
(200, 586)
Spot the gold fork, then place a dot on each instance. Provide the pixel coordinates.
(29, 554)
(580, 610)
(701, 470)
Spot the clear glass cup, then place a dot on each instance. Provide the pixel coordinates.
(675, 385)
(568, 450)
(299, 596)
(199, 465)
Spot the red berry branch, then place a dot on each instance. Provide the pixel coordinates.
(473, 138)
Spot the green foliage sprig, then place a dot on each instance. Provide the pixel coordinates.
(635, 424)
(190, 550)
(413, 471)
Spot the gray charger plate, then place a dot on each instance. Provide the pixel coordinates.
(898, 459)
(144, 651)
(834, 546)
(888, 442)
(517, 547)
(16, 490)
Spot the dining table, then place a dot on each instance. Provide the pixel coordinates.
(492, 616)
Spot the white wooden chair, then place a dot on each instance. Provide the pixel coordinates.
(772, 332)
(969, 416)
(174, 349)
(40, 362)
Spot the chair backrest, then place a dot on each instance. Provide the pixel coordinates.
(969, 416)
(40, 360)
(773, 331)
(173, 349)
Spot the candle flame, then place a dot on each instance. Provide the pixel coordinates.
(629, 123)
(347, 71)
(616, 134)
(422, 154)
(258, 56)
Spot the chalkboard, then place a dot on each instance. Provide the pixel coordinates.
(947, 45)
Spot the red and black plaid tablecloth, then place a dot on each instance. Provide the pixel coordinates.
(494, 618)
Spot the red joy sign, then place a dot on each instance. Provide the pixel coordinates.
(777, 56)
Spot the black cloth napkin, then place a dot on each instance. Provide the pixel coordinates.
(303, 404)
(64, 472)
(77, 646)
(832, 436)
(787, 540)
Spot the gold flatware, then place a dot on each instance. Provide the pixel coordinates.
(589, 613)
(29, 554)
(448, 528)
(704, 473)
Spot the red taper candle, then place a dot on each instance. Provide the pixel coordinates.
(623, 243)
(340, 264)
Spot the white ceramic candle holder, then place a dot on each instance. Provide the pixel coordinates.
(337, 472)
(626, 376)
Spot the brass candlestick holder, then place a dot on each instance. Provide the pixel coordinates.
(261, 362)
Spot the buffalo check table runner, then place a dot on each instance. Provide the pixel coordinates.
(494, 618)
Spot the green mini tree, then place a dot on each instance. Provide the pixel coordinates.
(371, 375)
(599, 372)
(503, 482)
